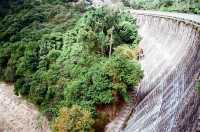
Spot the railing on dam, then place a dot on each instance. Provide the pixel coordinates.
(182, 17)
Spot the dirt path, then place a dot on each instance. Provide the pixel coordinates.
(17, 115)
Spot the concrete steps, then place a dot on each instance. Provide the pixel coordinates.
(119, 122)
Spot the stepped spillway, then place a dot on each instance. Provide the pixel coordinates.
(168, 99)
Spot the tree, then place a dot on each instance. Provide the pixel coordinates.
(74, 119)
(186, 6)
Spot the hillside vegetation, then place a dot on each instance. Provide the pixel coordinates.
(68, 58)
(186, 6)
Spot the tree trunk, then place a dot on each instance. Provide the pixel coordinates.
(111, 42)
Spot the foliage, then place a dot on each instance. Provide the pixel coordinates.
(30, 42)
(128, 52)
(102, 119)
(198, 86)
(93, 69)
(74, 119)
(187, 6)
(97, 85)
(59, 56)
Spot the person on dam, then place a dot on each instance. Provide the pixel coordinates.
(141, 53)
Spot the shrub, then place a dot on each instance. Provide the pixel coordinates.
(198, 87)
(102, 119)
(73, 119)
(9, 74)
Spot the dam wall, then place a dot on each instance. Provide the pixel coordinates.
(167, 97)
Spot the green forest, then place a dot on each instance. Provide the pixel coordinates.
(67, 59)
(185, 6)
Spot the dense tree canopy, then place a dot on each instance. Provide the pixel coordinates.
(64, 58)
(187, 6)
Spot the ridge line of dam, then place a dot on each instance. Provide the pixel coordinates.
(191, 19)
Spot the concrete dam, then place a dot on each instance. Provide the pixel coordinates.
(167, 97)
